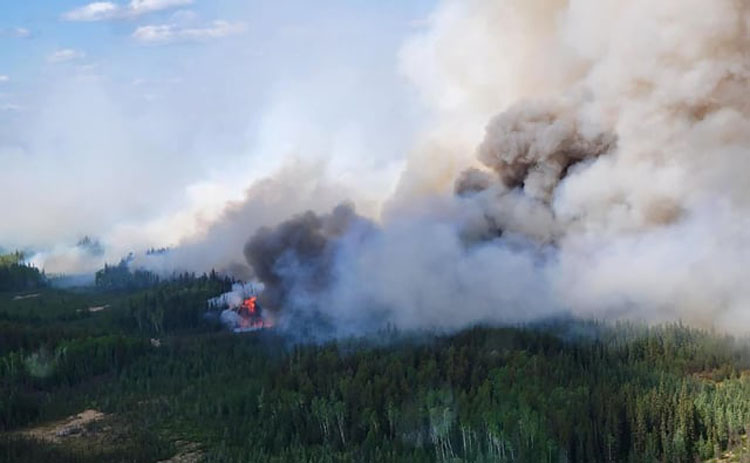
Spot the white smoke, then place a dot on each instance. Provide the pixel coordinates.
(145, 149)
(234, 298)
(612, 181)
(582, 156)
(295, 187)
(636, 170)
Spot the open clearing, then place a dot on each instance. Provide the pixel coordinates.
(74, 426)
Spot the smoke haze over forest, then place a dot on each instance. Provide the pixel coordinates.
(515, 160)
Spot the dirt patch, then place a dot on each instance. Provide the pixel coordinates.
(71, 427)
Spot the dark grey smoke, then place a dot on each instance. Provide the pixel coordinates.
(297, 256)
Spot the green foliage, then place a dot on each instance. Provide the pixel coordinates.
(563, 392)
(11, 259)
(179, 304)
(15, 275)
(120, 277)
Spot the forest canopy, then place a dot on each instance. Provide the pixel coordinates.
(564, 391)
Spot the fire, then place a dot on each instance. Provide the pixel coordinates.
(249, 305)
(250, 316)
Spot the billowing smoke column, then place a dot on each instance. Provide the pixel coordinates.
(612, 183)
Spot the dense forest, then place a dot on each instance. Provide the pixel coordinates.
(167, 376)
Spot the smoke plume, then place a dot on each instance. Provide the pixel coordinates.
(297, 255)
(610, 180)
(144, 148)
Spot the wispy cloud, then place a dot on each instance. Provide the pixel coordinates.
(64, 55)
(96, 11)
(101, 11)
(15, 32)
(170, 33)
(146, 6)
(4, 78)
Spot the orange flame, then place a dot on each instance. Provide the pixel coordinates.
(249, 305)
(250, 317)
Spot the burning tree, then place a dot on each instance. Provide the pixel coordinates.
(243, 311)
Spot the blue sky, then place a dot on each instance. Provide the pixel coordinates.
(32, 32)
(121, 115)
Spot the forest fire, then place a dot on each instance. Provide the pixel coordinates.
(242, 311)
(249, 312)
(249, 306)
(250, 316)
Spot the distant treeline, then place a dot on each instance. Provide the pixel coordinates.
(121, 277)
(16, 275)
